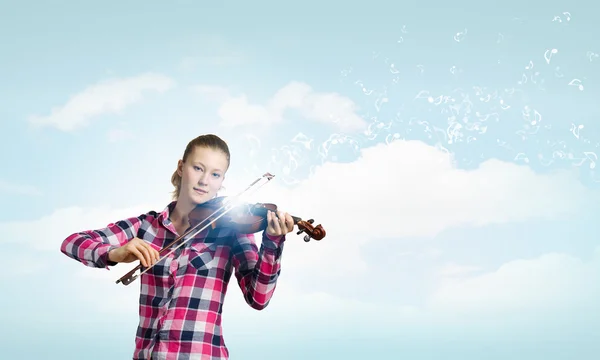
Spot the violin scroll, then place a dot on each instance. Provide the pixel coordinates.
(315, 232)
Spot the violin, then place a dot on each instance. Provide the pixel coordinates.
(250, 219)
(220, 213)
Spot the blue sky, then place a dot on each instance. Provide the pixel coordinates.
(480, 254)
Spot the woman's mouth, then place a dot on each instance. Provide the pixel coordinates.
(199, 191)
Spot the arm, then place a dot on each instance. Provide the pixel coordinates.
(257, 271)
(91, 247)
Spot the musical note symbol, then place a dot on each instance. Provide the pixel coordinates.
(530, 66)
(392, 137)
(592, 157)
(393, 69)
(575, 129)
(558, 73)
(591, 55)
(460, 35)
(379, 102)
(557, 154)
(500, 38)
(558, 18)
(364, 89)
(537, 118)
(522, 156)
(423, 94)
(421, 67)
(576, 82)
(548, 57)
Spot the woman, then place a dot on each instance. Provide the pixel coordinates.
(182, 296)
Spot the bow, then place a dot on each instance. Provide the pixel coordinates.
(228, 205)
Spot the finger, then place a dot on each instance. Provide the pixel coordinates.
(289, 221)
(146, 253)
(276, 226)
(269, 221)
(282, 220)
(154, 256)
(151, 253)
(139, 255)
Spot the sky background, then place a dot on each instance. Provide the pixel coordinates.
(449, 149)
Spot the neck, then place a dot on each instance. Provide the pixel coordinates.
(181, 211)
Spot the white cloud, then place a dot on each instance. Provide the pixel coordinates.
(410, 189)
(550, 282)
(215, 93)
(47, 233)
(451, 270)
(109, 96)
(328, 108)
(549, 288)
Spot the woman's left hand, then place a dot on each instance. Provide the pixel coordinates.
(280, 224)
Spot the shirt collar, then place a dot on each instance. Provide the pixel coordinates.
(164, 216)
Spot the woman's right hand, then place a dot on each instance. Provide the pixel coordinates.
(135, 249)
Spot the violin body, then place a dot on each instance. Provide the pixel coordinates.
(246, 219)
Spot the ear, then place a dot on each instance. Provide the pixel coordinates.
(180, 168)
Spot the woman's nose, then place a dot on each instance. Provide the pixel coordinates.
(203, 179)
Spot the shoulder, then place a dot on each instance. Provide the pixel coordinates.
(136, 220)
(150, 216)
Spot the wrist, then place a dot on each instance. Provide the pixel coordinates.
(276, 239)
(107, 256)
(110, 254)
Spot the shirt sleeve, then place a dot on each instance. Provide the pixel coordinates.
(91, 247)
(257, 270)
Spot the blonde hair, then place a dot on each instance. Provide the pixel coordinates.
(210, 141)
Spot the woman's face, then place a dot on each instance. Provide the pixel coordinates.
(202, 174)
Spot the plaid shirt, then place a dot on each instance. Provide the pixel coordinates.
(181, 297)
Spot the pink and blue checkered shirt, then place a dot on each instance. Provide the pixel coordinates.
(181, 298)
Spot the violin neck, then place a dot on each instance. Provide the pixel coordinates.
(263, 212)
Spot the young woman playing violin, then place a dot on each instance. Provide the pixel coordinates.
(182, 296)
